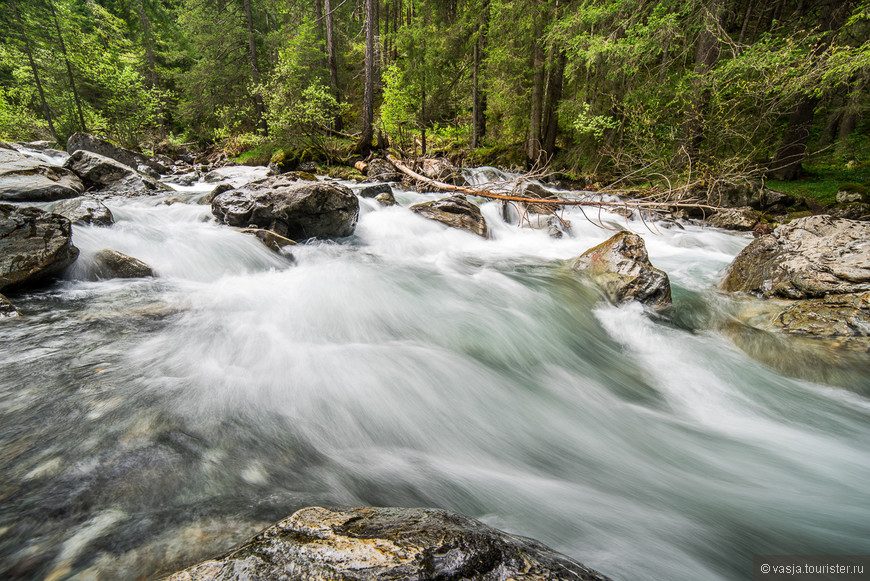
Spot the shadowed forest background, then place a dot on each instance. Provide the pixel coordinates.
(722, 88)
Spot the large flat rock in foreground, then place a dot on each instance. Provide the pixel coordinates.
(27, 178)
(368, 544)
(33, 245)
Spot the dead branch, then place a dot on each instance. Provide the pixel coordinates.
(501, 192)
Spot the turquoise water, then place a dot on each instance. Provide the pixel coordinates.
(146, 424)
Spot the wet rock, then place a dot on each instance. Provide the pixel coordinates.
(236, 175)
(27, 178)
(383, 170)
(808, 258)
(621, 267)
(374, 191)
(362, 544)
(7, 309)
(386, 199)
(441, 170)
(85, 211)
(108, 176)
(850, 211)
(741, 219)
(456, 212)
(110, 263)
(184, 179)
(33, 245)
(740, 194)
(269, 239)
(296, 210)
(83, 141)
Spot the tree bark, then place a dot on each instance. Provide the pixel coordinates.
(365, 142)
(332, 60)
(787, 164)
(69, 72)
(533, 146)
(45, 109)
(255, 70)
(706, 55)
(147, 42)
(554, 97)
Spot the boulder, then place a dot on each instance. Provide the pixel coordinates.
(85, 211)
(456, 212)
(382, 170)
(740, 194)
(844, 315)
(807, 258)
(7, 309)
(33, 245)
(294, 209)
(621, 267)
(379, 544)
(851, 211)
(742, 219)
(110, 263)
(108, 176)
(183, 179)
(374, 191)
(27, 178)
(386, 199)
(849, 193)
(83, 141)
(441, 170)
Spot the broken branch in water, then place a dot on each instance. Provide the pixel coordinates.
(502, 192)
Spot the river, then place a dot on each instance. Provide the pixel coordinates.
(149, 423)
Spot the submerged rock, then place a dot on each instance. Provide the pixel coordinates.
(85, 211)
(621, 267)
(296, 210)
(456, 212)
(368, 544)
(807, 258)
(270, 239)
(84, 141)
(7, 309)
(27, 178)
(109, 176)
(110, 263)
(33, 245)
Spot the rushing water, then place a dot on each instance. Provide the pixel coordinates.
(145, 424)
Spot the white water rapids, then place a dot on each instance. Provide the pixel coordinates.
(409, 365)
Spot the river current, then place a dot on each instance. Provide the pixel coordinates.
(146, 424)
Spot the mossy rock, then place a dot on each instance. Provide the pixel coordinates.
(342, 172)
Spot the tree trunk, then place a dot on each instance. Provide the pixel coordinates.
(533, 146)
(787, 164)
(365, 142)
(745, 24)
(69, 72)
(475, 97)
(338, 123)
(46, 111)
(147, 42)
(255, 70)
(318, 17)
(554, 97)
(706, 55)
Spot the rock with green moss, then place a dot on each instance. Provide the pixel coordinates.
(847, 193)
(384, 544)
(741, 219)
(851, 211)
(806, 258)
(621, 267)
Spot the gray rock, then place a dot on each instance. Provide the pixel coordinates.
(33, 245)
(386, 199)
(736, 195)
(806, 258)
(374, 191)
(27, 178)
(742, 219)
(83, 141)
(441, 170)
(184, 179)
(108, 176)
(7, 309)
(85, 211)
(621, 267)
(851, 211)
(381, 544)
(297, 210)
(383, 170)
(110, 263)
(456, 212)
(853, 195)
